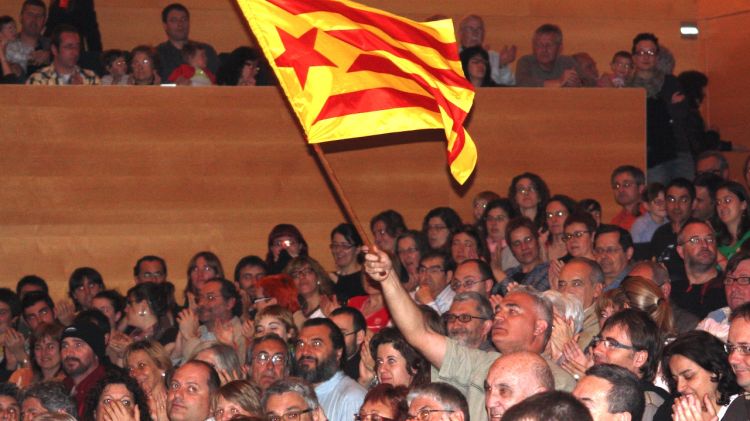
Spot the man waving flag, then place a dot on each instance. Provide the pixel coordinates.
(352, 71)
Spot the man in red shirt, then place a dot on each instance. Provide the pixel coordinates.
(628, 184)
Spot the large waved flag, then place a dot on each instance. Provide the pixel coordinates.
(351, 71)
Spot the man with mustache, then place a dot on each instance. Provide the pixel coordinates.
(319, 351)
(191, 390)
(700, 291)
(82, 351)
(472, 332)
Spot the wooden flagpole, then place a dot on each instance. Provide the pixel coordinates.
(341, 195)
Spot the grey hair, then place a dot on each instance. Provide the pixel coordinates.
(292, 385)
(543, 307)
(225, 355)
(567, 306)
(448, 396)
(483, 304)
(597, 275)
(53, 396)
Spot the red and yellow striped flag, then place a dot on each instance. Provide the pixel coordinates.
(352, 71)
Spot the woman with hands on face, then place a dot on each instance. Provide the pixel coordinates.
(148, 363)
(698, 373)
(116, 397)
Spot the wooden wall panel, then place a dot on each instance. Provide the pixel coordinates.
(101, 176)
(725, 29)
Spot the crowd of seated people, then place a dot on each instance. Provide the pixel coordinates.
(534, 299)
(534, 309)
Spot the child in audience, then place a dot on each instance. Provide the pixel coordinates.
(7, 34)
(622, 71)
(115, 62)
(644, 227)
(195, 70)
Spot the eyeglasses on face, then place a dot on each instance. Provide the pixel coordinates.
(742, 349)
(697, 240)
(425, 413)
(577, 234)
(288, 416)
(432, 269)
(739, 280)
(611, 343)
(463, 318)
(456, 284)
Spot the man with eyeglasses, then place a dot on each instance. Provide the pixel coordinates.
(700, 291)
(522, 236)
(435, 274)
(631, 339)
(738, 348)
(522, 322)
(318, 354)
(292, 399)
(190, 391)
(437, 401)
(628, 183)
(150, 269)
(473, 275)
(271, 360)
(37, 308)
(219, 304)
(737, 292)
(583, 278)
(469, 320)
(353, 326)
(613, 249)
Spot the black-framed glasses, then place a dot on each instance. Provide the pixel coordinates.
(371, 417)
(288, 416)
(456, 283)
(610, 343)
(577, 234)
(425, 413)
(742, 349)
(739, 280)
(463, 318)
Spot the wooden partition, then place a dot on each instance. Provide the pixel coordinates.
(725, 29)
(99, 176)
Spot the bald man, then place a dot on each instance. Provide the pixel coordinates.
(513, 378)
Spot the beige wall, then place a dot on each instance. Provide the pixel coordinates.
(99, 176)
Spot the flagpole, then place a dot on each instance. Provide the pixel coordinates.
(341, 195)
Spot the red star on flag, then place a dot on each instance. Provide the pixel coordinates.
(300, 54)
